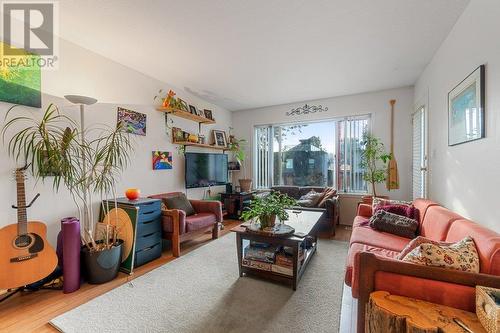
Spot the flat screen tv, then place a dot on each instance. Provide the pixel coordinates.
(203, 170)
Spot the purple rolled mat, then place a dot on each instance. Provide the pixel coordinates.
(70, 228)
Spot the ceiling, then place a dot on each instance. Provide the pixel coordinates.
(248, 54)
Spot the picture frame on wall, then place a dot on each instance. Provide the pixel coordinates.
(183, 104)
(220, 138)
(192, 109)
(177, 134)
(466, 109)
(208, 114)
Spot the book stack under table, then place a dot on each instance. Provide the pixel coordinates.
(271, 258)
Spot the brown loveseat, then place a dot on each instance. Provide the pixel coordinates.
(330, 211)
(178, 227)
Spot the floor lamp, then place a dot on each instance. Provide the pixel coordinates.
(82, 101)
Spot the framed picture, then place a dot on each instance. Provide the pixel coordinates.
(208, 114)
(133, 122)
(220, 138)
(183, 104)
(20, 84)
(192, 109)
(177, 134)
(466, 109)
(200, 112)
(162, 160)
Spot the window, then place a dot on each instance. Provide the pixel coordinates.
(326, 153)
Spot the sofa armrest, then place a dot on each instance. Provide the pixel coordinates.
(332, 207)
(371, 264)
(176, 217)
(365, 210)
(208, 206)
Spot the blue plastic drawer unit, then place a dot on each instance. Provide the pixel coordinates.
(148, 243)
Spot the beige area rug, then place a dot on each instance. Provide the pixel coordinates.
(202, 292)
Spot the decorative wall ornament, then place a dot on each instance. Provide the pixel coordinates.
(307, 109)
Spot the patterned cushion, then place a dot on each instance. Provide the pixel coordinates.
(382, 202)
(395, 224)
(328, 193)
(461, 255)
(416, 242)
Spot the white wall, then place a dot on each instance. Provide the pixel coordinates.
(465, 178)
(375, 103)
(86, 73)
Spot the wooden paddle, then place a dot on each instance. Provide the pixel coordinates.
(392, 170)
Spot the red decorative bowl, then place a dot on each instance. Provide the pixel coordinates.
(133, 193)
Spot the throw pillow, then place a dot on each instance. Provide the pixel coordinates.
(328, 193)
(381, 202)
(403, 210)
(310, 199)
(180, 202)
(305, 203)
(461, 255)
(416, 242)
(395, 224)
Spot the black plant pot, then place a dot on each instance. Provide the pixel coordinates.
(102, 266)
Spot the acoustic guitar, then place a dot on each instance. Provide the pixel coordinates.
(25, 254)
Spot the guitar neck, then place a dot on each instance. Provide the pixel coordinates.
(22, 217)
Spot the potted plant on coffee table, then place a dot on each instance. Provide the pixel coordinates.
(87, 161)
(374, 159)
(267, 208)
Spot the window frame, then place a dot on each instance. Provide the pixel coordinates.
(271, 126)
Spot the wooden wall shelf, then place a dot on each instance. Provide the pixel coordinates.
(192, 144)
(186, 115)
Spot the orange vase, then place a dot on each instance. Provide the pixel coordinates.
(133, 193)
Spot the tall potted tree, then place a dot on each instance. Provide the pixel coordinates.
(86, 160)
(238, 148)
(374, 159)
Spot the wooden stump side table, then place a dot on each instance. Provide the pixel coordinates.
(388, 313)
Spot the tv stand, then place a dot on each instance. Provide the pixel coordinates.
(234, 203)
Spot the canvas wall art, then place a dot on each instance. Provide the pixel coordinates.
(162, 160)
(466, 109)
(134, 122)
(20, 79)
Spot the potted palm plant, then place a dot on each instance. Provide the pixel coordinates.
(267, 208)
(238, 147)
(374, 159)
(87, 161)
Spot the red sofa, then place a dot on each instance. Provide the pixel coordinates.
(178, 227)
(371, 263)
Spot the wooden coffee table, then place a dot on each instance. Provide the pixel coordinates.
(303, 222)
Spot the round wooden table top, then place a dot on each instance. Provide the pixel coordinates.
(279, 229)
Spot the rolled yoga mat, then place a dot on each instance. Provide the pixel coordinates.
(70, 228)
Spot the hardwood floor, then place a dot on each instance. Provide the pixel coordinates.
(31, 311)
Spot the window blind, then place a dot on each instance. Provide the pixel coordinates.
(418, 165)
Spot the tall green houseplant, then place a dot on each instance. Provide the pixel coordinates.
(374, 159)
(87, 163)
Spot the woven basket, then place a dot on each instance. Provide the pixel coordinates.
(487, 310)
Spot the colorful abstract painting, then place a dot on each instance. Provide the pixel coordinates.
(133, 122)
(162, 160)
(20, 79)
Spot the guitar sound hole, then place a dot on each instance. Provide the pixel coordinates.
(23, 241)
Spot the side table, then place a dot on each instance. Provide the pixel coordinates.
(388, 313)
